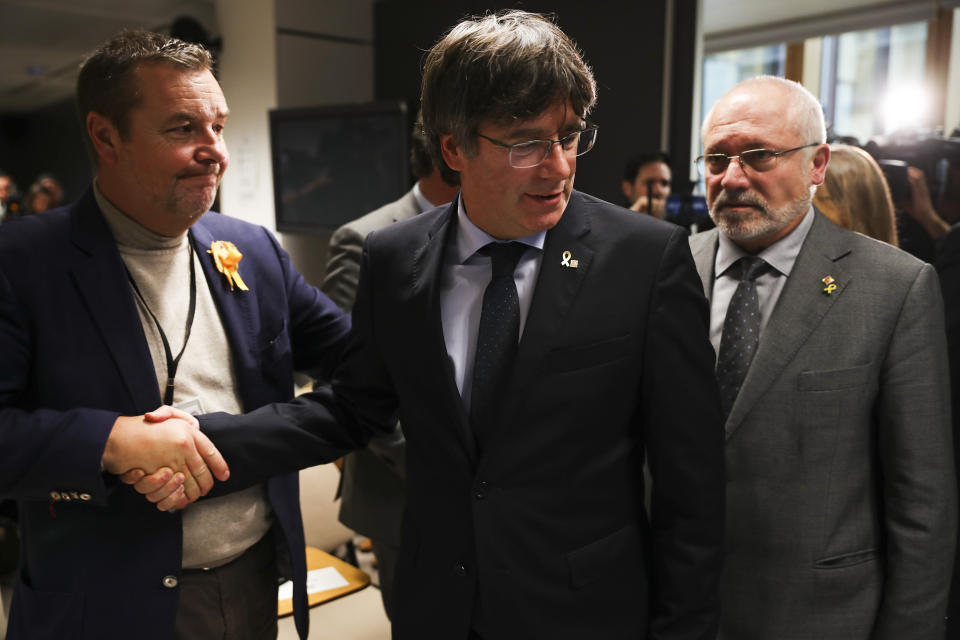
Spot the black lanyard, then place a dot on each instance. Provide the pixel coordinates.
(172, 363)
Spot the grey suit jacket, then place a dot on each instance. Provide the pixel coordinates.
(841, 501)
(372, 491)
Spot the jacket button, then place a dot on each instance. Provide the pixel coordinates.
(481, 491)
(460, 569)
(170, 582)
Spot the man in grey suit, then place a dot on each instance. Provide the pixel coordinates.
(841, 501)
(372, 491)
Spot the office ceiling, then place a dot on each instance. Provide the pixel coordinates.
(43, 42)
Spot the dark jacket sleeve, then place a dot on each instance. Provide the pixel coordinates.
(684, 435)
(316, 427)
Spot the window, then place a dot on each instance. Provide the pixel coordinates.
(871, 82)
(721, 71)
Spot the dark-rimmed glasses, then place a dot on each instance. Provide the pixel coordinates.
(758, 160)
(524, 155)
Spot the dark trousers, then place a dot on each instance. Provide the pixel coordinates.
(386, 556)
(237, 601)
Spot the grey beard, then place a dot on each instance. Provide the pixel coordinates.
(761, 221)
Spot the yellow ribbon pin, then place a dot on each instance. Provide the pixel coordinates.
(226, 256)
(831, 285)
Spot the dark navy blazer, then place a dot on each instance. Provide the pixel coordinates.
(99, 561)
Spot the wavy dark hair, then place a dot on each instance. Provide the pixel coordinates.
(501, 67)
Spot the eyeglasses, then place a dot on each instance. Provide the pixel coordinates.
(758, 160)
(531, 153)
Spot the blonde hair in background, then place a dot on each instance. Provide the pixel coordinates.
(855, 195)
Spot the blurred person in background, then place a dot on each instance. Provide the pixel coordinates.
(39, 199)
(948, 268)
(51, 184)
(9, 204)
(373, 488)
(855, 195)
(646, 183)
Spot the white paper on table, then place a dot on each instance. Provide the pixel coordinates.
(317, 580)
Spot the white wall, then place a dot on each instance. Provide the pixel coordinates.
(736, 24)
(324, 57)
(248, 74)
(280, 54)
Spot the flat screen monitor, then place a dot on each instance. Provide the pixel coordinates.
(334, 164)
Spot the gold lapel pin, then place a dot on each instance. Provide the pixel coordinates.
(831, 284)
(568, 262)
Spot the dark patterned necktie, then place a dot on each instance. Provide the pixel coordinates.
(741, 331)
(498, 335)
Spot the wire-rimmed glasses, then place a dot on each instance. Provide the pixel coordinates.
(524, 155)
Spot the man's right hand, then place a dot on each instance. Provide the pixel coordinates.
(642, 205)
(173, 450)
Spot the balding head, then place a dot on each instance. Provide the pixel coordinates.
(802, 111)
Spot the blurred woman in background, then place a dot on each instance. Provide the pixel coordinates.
(855, 195)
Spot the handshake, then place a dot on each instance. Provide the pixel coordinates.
(164, 456)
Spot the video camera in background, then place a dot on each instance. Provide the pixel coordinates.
(688, 211)
(932, 154)
(15, 206)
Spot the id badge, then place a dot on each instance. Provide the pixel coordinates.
(193, 406)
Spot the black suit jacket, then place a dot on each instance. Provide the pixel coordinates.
(547, 525)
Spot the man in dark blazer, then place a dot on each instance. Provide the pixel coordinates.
(525, 510)
(78, 290)
(841, 497)
(372, 490)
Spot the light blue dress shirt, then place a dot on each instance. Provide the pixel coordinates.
(781, 255)
(463, 279)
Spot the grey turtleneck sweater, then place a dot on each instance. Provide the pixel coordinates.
(215, 530)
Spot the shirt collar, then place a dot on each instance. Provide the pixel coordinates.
(781, 255)
(422, 203)
(471, 238)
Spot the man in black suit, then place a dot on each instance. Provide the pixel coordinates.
(529, 398)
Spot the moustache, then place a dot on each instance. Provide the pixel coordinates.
(744, 198)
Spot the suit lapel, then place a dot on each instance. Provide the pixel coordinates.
(101, 280)
(238, 311)
(556, 289)
(800, 309)
(705, 257)
(557, 286)
(425, 303)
